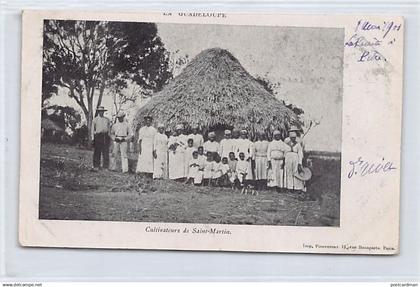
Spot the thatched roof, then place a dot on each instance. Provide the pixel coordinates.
(215, 90)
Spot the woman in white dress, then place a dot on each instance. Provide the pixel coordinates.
(275, 157)
(146, 140)
(160, 154)
(177, 144)
(293, 163)
(260, 154)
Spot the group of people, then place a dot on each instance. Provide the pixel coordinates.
(234, 162)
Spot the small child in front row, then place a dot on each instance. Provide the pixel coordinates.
(232, 175)
(208, 168)
(242, 169)
(195, 171)
(224, 179)
(217, 170)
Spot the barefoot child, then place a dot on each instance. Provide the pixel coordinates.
(195, 174)
(208, 169)
(242, 168)
(232, 174)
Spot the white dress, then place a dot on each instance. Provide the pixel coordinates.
(275, 154)
(147, 138)
(160, 165)
(292, 159)
(177, 157)
(260, 155)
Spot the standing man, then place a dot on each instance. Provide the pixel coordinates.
(121, 134)
(100, 137)
(212, 145)
(146, 141)
(197, 138)
(245, 146)
(275, 159)
(227, 145)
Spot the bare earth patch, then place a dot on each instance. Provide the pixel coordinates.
(69, 190)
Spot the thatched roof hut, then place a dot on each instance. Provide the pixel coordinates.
(215, 92)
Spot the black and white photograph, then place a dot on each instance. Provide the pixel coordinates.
(191, 123)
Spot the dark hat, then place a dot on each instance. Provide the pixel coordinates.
(101, 108)
(148, 117)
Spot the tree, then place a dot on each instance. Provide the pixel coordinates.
(89, 57)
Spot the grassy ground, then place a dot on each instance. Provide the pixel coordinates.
(70, 190)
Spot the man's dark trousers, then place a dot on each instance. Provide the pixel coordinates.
(101, 147)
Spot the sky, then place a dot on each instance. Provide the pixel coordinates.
(306, 62)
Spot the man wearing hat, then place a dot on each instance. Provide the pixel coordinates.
(120, 134)
(275, 158)
(146, 140)
(227, 144)
(211, 145)
(197, 138)
(293, 163)
(100, 137)
(294, 128)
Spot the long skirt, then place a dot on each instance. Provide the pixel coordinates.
(276, 174)
(160, 165)
(260, 167)
(290, 169)
(145, 162)
(176, 164)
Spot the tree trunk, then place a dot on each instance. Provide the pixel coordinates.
(89, 120)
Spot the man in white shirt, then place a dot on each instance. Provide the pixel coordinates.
(226, 144)
(211, 145)
(100, 137)
(121, 134)
(197, 138)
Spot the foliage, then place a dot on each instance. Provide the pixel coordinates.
(88, 57)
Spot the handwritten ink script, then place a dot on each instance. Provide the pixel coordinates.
(369, 37)
(361, 167)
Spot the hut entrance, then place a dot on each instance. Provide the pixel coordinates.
(219, 129)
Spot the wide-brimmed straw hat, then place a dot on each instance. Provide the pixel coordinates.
(101, 109)
(304, 175)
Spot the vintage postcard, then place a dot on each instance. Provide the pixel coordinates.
(211, 131)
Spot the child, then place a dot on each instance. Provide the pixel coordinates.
(232, 174)
(242, 168)
(217, 171)
(208, 169)
(224, 180)
(188, 155)
(201, 153)
(195, 174)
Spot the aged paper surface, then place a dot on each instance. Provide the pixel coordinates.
(339, 77)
